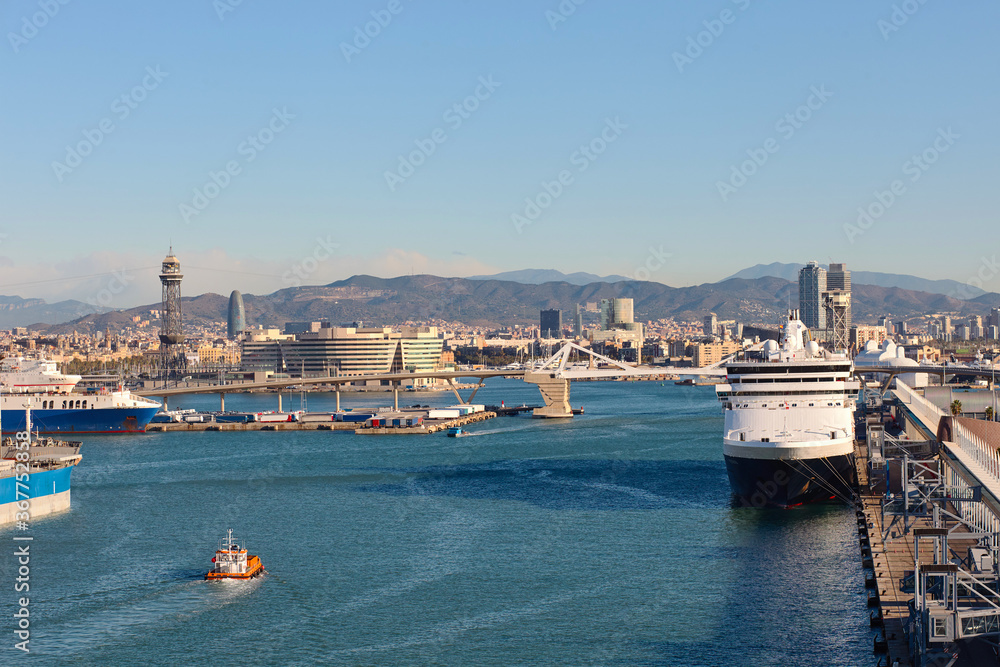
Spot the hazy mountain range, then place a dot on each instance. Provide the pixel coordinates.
(540, 276)
(18, 312)
(378, 301)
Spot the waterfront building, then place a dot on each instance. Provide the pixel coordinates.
(236, 321)
(346, 351)
(630, 340)
(213, 354)
(706, 354)
(812, 285)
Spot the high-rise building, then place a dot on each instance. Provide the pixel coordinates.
(616, 311)
(171, 325)
(619, 327)
(578, 322)
(812, 284)
(710, 325)
(976, 326)
(236, 322)
(946, 326)
(993, 319)
(550, 323)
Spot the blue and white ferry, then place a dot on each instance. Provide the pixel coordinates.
(37, 385)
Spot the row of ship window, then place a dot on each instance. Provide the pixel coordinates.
(730, 406)
(757, 393)
(743, 381)
(747, 370)
(66, 405)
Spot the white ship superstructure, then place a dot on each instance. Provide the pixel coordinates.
(789, 422)
(20, 375)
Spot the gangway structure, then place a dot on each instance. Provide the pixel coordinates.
(940, 508)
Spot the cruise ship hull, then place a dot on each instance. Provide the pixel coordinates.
(92, 420)
(790, 482)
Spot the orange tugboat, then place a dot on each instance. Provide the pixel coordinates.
(233, 562)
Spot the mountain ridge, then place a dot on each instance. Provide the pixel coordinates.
(490, 303)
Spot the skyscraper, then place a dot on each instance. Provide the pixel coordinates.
(615, 311)
(812, 284)
(550, 323)
(236, 322)
(578, 322)
(709, 324)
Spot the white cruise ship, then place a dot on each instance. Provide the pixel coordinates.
(19, 375)
(789, 422)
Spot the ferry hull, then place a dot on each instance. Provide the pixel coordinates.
(790, 482)
(95, 420)
(48, 492)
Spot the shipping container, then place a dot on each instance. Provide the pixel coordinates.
(235, 418)
(356, 417)
(314, 417)
(443, 413)
(275, 417)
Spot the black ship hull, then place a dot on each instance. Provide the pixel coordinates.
(787, 483)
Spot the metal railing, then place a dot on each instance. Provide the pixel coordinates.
(984, 455)
(924, 410)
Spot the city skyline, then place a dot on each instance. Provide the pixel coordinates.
(459, 140)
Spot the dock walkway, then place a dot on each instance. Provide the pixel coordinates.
(890, 556)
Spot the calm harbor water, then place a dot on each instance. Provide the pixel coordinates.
(607, 539)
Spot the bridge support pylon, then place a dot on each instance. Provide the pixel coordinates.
(555, 393)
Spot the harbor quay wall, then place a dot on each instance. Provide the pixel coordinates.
(429, 426)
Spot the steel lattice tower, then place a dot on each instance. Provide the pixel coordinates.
(838, 309)
(171, 328)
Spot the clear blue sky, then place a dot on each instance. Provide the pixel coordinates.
(680, 131)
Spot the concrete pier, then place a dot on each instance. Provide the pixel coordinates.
(555, 393)
(429, 426)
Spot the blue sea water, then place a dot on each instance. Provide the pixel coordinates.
(609, 539)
